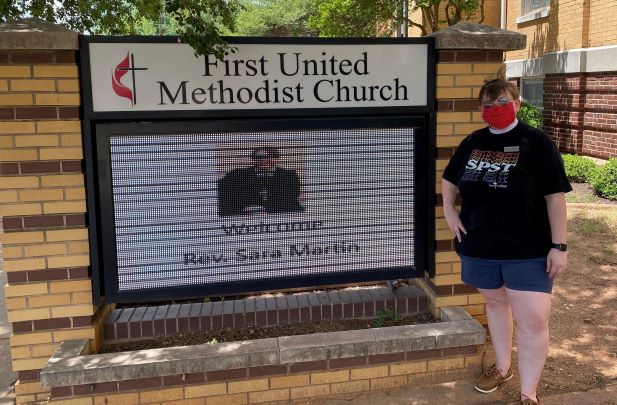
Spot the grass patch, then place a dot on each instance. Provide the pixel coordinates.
(590, 221)
(598, 228)
(586, 198)
(589, 226)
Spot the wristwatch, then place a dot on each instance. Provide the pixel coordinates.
(559, 246)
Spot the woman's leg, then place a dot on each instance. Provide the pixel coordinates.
(499, 316)
(531, 311)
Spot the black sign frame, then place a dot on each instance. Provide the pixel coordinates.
(99, 126)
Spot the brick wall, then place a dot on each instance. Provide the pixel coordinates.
(580, 113)
(564, 101)
(492, 13)
(602, 23)
(600, 116)
(284, 382)
(571, 24)
(42, 196)
(565, 28)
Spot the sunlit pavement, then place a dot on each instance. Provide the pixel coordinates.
(462, 392)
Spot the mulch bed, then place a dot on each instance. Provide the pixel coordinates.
(231, 335)
(583, 193)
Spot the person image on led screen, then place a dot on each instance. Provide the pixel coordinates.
(262, 187)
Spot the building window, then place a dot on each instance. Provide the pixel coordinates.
(532, 91)
(527, 6)
(533, 10)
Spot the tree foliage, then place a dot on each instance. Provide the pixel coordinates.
(276, 18)
(368, 18)
(356, 18)
(202, 22)
(437, 13)
(197, 22)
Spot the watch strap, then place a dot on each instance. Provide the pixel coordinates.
(559, 246)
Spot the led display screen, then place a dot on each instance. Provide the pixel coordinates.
(215, 208)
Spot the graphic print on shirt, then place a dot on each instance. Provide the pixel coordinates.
(492, 167)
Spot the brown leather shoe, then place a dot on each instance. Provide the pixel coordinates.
(529, 401)
(490, 380)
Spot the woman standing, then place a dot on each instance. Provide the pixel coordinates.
(511, 232)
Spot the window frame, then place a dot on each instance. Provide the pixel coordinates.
(530, 13)
(527, 80)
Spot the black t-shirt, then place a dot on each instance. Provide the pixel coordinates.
(502, 179)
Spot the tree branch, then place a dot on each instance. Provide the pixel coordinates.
(422, 27)
(481, 12)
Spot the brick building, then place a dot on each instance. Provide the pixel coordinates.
(568, 68)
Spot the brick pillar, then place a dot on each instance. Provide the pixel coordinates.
(42, 197)
(467, 55)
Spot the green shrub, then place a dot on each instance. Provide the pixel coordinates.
(384, 315)
(530, 115)
(603, 179)
(578, 168)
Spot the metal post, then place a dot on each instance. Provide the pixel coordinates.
(404, 22)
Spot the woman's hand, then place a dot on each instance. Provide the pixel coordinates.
(454, 222)
(556, 262)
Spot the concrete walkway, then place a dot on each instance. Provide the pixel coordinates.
(7, 377)
(462, 392)
(459, 392)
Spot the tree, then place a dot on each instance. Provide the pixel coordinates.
(356, 18)
(276, 18)
(366, 18)
(454, 10)
(197, 22)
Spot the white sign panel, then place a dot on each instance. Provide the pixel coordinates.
(168, 76)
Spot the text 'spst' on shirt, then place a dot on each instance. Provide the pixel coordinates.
(503, 179)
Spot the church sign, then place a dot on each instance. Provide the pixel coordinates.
(288, 163)
(167, 77)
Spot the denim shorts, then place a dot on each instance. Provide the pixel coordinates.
(522, 275)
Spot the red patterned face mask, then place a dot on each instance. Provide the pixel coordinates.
(499, 116)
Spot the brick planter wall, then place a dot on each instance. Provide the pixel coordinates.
(169, 320)
(265, 370)
(284, 383)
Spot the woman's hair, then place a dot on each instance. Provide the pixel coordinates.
(494, 88)
(268, 151)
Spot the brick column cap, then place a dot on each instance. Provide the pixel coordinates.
(470, 35)
(36, 33)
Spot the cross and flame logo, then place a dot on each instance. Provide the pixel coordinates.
(126, 65)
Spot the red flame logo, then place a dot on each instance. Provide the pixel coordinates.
(120, 70)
